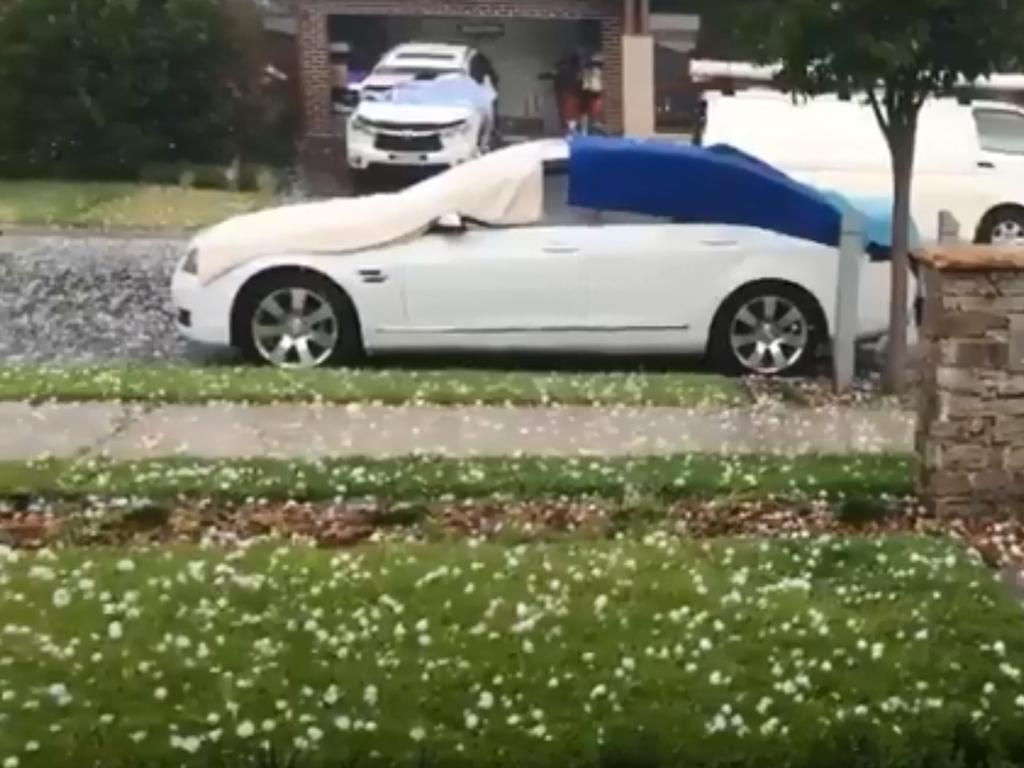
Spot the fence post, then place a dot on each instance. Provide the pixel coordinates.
(847, 311)
(949, 232)
(949, 227)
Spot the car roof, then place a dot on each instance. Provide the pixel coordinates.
(553, 149)
(773, 95)
(1002, 106)
(439, 55)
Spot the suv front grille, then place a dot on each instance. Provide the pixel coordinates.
(427, 142)
(391, 127)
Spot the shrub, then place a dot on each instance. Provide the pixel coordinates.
(99, 88)
(208, 177)
(167, 174)
(253, 177)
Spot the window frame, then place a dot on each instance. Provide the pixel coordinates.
(593, 217)
(978, 114)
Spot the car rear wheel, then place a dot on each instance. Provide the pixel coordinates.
(297, 320)
(1004, 226)
(767, 330)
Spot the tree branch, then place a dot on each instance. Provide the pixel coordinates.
(880, 115)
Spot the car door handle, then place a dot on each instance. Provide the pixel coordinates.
(986, 164)
(373, 276)
(718, 243)
(560, 249)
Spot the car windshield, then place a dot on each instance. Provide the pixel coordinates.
(497, 189)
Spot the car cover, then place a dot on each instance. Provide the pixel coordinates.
(715, 185)
(504, 188)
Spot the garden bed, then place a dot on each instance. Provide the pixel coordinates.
(824, 652)
(999, 541)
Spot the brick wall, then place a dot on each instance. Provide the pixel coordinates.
(970, 437)
(507, 9)
(314, 69)
(611, 50)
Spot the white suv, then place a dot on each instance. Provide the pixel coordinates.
(392, 127)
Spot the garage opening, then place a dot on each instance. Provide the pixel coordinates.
(525, 54)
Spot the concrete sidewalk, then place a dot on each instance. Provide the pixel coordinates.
(309, 432)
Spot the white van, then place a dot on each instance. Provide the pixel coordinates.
(969, 160)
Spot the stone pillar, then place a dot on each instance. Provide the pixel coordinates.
(970, 437)
(638, 85)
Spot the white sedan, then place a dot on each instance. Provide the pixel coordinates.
(540, 247)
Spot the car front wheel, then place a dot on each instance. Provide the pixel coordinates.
(297, 320)
(766, 330)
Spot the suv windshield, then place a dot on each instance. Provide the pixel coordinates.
(419, 73)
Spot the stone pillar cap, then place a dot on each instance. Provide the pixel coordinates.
(964, 257)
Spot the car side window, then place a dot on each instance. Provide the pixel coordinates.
(480, 69)
(476, 68)
(1000, 130)
(557, 211)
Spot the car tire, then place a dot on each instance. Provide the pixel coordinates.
(778, 324)
(494, 138)
(362, 181)
(1002, 226)
(324, 331)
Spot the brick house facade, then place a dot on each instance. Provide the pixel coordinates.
(323, 140)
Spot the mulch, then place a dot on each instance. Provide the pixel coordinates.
(999, 541)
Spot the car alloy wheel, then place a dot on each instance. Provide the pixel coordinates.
(295, 328)
(1007, 232)
(769, 335)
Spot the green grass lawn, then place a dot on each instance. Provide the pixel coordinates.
(662, 654)
(431, 478)
(181, 384)
(118, 205)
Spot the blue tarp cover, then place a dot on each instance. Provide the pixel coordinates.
(714, 185)
(447, 91)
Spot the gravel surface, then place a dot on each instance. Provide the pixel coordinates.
(82, 299)
(88, 299)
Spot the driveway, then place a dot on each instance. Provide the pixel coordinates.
(77, 299)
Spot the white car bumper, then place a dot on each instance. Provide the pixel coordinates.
(200, 314)
(367, 149)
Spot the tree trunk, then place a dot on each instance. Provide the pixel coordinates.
(902, 140)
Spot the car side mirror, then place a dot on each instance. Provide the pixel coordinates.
(450, 223)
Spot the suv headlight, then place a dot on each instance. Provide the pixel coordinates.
(359, 125)
(190, 266)
(459, 129)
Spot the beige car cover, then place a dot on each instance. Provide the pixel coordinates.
(502, 188)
